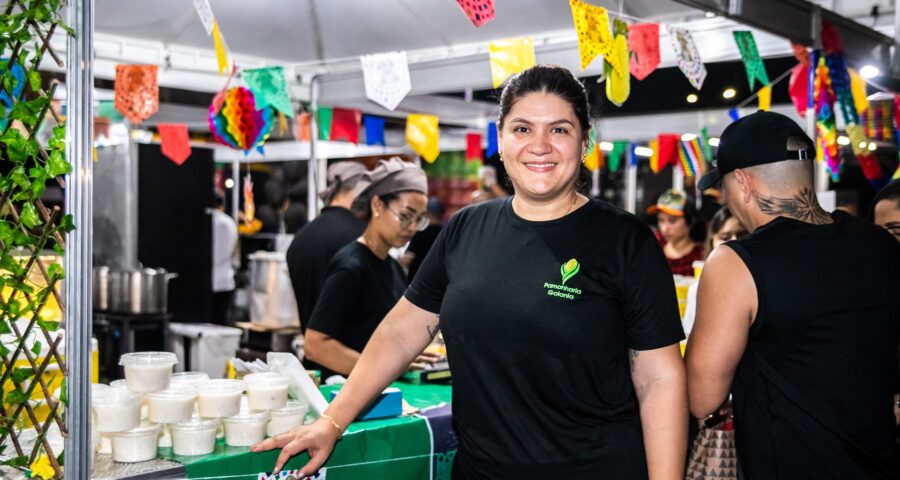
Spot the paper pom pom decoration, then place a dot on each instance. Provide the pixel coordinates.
(235, 121)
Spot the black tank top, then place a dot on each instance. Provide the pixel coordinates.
(813, 393)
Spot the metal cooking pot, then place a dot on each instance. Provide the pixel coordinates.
(135, 291)
(100, 291)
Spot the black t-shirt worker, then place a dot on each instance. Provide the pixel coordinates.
(315, 244)
(800, 319)
(559, 315)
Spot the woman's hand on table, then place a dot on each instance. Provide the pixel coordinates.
(425, 360)
(317, 439)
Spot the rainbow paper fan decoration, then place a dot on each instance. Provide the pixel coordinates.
(235, 121)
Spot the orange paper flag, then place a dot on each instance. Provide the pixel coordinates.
(137, 91)
(303, 127)
(174, 141)
(594, 36)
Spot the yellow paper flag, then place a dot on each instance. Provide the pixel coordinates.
(594, 36)
(858, 89)
(509, 57)
(765, 97)
(654, 157)
(422, 135)
(221, 53)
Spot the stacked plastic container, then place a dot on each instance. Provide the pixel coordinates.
(153, 408)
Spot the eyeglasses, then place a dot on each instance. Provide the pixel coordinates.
(407, 220)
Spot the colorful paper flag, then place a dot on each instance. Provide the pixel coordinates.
(492, 141)
(654, 157)
(386, 77)
(204, 11)
(734, 114)
(303, 127)
(479, 12)
(324, 117)
(345, 125)
(765, 97)
(798, 88)
(423, 135)
(221, 52)
(594, 36)
(473, 146)
(593, 160)
(509, 57)
(269, 87)
(858, 90)
(137, 91)
(174, 141)
(689, 61)
(615, 155)
(668, 149)
(685, 162)
(858, 139)
(249, 204)
(753, 64)
(643, 42)
(374, 130)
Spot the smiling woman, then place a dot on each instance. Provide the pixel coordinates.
(543, 300)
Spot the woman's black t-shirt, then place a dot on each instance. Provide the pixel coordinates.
(538, 318)
(359, 290)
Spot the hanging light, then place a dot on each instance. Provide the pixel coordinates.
(643, 151)
(729, 93)
(692, 98)
(869, 71)
(687, 137)
(714, 141)
(606, 146)
(229, 183)
(843, 140)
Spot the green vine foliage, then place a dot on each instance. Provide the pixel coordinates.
(28, 228)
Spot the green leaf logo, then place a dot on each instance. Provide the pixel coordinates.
(569, 270)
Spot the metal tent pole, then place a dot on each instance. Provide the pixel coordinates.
(79, 191)
(312, 181)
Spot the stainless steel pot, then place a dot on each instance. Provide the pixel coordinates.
(136, 291)
(100, 295)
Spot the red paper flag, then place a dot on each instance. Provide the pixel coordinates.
(799, 88)
(473, 146)
(345, 124)
(137, 91)
(643, 42)
(478, 11)
(174, 141)
(303, 127)
(668, 149)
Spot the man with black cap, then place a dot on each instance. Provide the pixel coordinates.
(799, 320)
(316, 243)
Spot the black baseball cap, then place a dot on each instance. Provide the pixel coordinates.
(756, 139)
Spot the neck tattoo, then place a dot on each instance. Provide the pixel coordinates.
(802, 206)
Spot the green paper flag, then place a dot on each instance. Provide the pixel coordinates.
(615, 156)
(269, 89)
(324, 116)
(704, 144)
(750, 55)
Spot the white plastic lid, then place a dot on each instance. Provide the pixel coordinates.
(148, 359)
(117, 396)
(248, 417)
(189, 377)
(293, 407)
(263, 379)
(176, 391)
(118, 384)
(221, 385)
(98, 389)
(196, 425)
(147, 430)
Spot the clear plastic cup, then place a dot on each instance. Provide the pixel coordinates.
(220, 398)
(117, 410)
(118, 384)
(267, 390)
(174, 405)
(189, 378)
(135, 445)
(148, 371)
(196, 437)
(287, 417)
(245, 429)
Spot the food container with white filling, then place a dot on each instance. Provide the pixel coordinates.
(287, 417)
(189, 378)
(105, 446)
(196, 437)
(117, 410)
(148, 371)
(245, 429)
(174, 405)
(267, 390)
(220, 398)
(135, 445)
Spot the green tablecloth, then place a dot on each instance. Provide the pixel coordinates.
(393, 448)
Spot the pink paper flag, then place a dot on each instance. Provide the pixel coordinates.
(478, 11)
(174, 141)
(643, 42)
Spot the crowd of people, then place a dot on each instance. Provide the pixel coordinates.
(560, 316)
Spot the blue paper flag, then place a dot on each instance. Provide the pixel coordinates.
(492, 147)
(632, 157)
(374, 130)
(734, 113)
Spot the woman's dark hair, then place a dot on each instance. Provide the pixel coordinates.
(547, 79)
(718, 220)
(696, 224)
(891, 191)
(366, 203)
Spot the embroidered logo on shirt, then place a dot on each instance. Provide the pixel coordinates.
(566, 271)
